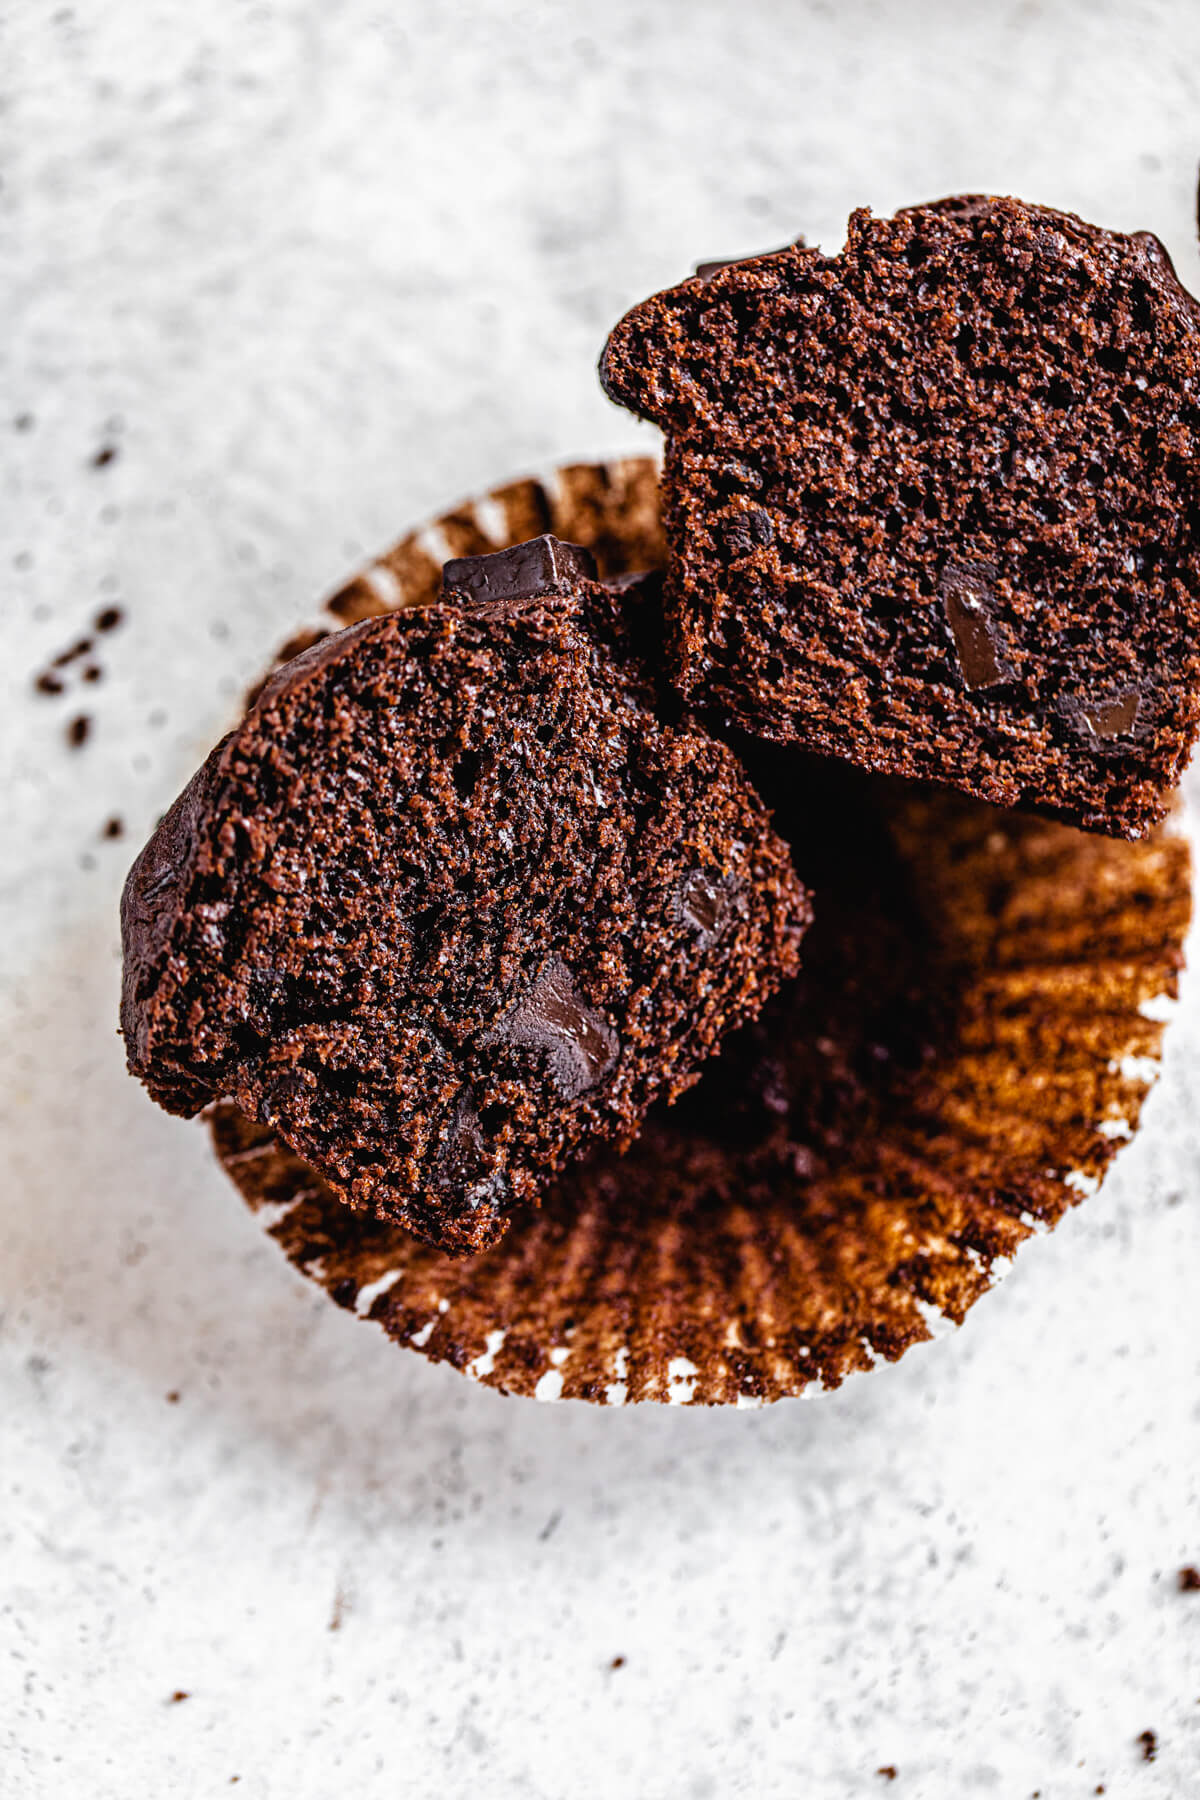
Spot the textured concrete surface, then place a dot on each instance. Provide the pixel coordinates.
(311, 271)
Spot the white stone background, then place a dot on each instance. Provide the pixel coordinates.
(315, 270)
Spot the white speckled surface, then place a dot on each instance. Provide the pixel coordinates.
(315, 270)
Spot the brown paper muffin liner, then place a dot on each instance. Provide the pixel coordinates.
(969, 1046)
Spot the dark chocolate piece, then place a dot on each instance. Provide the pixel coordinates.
(968, 599)
(492, 584)
(706, 270)
(550, 1018)
(931, 502)
(419, 912)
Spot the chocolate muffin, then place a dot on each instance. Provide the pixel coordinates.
(930, 502)
(453, 901)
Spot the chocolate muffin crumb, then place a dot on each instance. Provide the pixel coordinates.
(1189, 1580)
(109, 618)
(113, 827)
(1149, 1742)
(108, 453)
(420, 912)
(929, 502)
(78, 731)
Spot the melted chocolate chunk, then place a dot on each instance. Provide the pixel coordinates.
(496, 584)
(1112, 718)
(968, 598)
(580, 1048)
(705, 902)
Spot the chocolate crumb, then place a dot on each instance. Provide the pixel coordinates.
(78, 649)
(178, 1695)
(1189, 1580)
(889, 1771)
(1149, 1742)
(109, 619)
(48, 683)
(106, 454)
(93, 672)
(77, 731)
(618, 1662)
(340, 1609)
(173, 1397)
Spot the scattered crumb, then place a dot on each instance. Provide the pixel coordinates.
(49, 683)
(173, 1397)
(1189, 1580)
(77, 731)
(78, 649)
(889, 1771)
(618, 1662)
(178, 1695)
(341, 1606)
(1149, 1742)
(1100, 1788)
(114, 827)
(106, 454)
(109, 619)
(550, 1527)
(93, 672)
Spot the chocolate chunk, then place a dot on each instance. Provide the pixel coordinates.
(78, 731)
(580, 1047)
(744, 531)
(706, 270)
(968, 598)
(109, 618)
(495, 585)
(705, 902)
(1112, 718)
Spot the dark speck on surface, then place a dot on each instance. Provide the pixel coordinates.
(1189, 1579)
(106, 454)
(889, 1771)
(178, 1695)
(173, 1397)
(1149, 1742)
(23, 422)
(77, 731)
(109, 619)
(48, 683)
(618, 1662)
